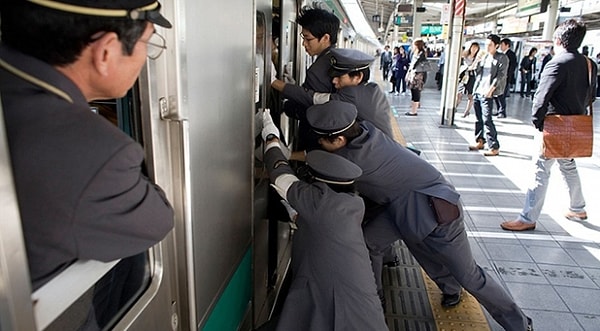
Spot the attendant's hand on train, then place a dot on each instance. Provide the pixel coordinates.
(269, 127)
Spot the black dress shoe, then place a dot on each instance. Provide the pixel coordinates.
(393, 263)
(450, 300)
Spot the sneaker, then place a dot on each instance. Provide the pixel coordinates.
(529, 324)
(501, 115)
(403, 93)
(575, 216)
(396, 93)
(492, 152)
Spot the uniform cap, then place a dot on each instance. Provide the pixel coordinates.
(147, 10)
(331, 118)
(345, 60)
(331, 168)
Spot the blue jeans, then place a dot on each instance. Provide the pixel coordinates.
(537, 192)
(483, 112)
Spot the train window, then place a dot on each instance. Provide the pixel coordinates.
(91, 295)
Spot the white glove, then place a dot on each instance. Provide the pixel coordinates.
(268, 125)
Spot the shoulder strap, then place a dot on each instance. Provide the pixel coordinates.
(591, 101)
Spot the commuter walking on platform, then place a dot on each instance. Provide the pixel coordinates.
(527, 68)
(567, 87)
(414, 195)
(333, 287)
(319, 35)
(505, 45)
(385, 62)
(400, 68)
(490, 82)
(467, 76)
(416, 78)
(89, 199)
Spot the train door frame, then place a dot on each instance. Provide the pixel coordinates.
(16, 308)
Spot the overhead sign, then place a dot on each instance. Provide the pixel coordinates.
(531, 7)
(431, 30)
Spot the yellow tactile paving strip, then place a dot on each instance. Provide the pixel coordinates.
(466, 316)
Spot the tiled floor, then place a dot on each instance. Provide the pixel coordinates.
(552, 272)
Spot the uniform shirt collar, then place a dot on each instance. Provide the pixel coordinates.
(35, 72)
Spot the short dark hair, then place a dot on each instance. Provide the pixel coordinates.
(494, 38)
(506, 42)
(570, 33)
(320, 22)
(58, 37)
(366, 74)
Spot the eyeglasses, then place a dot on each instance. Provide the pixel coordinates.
(307, 39)
(156, 45)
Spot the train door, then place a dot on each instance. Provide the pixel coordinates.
(16, 308)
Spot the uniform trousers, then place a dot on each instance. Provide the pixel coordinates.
(446, 257)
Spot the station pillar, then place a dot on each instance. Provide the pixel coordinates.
(551, 19)
(417, 19)
(453, 53)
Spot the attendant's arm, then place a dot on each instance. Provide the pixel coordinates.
(121, 212)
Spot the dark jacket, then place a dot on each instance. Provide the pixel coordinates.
(512, 66)
(78, 178)
(564, 88)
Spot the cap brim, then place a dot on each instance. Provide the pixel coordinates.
(156, 18)
(336, 72)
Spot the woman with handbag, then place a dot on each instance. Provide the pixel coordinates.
(467, 76)
(417, 75)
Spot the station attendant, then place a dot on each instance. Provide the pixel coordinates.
(79, 181)
(333, 287)
(409, 187)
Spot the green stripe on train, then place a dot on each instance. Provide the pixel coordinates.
(232, 305)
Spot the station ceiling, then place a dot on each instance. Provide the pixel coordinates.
(476, 11)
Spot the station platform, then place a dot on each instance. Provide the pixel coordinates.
(552, 272)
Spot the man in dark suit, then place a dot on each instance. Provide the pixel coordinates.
(567, 87)
(505, 47)
(319, 35)
(79, 180)
(407, 186)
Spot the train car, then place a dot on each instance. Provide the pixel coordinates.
(224, 264)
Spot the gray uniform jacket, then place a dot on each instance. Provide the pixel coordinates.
(333, 286)
(371, 103)
(564, 87)
(78, 178)
(395, 176)
(498, 74)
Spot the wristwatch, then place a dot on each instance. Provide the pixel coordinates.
(270, 137)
